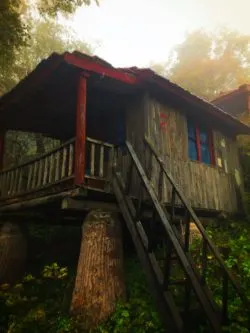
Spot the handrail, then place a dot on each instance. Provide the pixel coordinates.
(199, 225)
(36, 159)
(98, 142)
(171, 238)
(51, 168)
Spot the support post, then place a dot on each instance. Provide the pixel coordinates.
(2, 142)
(80, 143)
(13, 252)
(99, 283)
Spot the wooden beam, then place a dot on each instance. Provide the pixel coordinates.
(87, 205)
(2, 143)
(80, 143)
(88, 65)
(35, 202)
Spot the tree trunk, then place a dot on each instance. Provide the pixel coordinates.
(13, 252)
(99, 281)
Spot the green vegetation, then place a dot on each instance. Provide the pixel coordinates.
(40, 302)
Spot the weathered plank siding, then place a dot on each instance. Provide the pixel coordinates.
(206, 187)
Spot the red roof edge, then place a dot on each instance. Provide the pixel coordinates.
(93, 66)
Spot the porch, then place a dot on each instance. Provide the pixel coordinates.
(55, 172)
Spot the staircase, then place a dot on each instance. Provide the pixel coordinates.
(176, 273)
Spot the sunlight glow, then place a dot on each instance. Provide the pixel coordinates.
(137, 32)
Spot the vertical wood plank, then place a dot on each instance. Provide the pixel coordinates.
(34, 178)
(71, 159)
(40, 172)
(64, 160)
(20, 181)
(80, 143)
(92, 159)
(101, 164)
(46, 166)
(31, 166)
(57, 165)
(2, 144)
(51, 169)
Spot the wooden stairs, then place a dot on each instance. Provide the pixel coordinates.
(177, 276)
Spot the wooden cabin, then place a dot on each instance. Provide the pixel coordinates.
(129, 138)
(91, 107)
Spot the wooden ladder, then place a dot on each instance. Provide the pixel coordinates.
(161, 272)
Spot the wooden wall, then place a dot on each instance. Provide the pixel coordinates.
(206, 187)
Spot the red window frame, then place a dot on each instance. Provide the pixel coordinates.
(198, 143)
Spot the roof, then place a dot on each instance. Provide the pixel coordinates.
(235, 102)
(243, 89)
(60, 65)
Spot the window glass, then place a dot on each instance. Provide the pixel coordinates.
(191, 130)
(192, 150)
(203, 137)
(205, 154)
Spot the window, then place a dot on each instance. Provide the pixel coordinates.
(200, 146)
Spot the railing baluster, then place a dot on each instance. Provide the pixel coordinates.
(45, 174)
(20, 181)
(71, 160)
(101, 164)
(51, 168)
(5, 184)
(34, 178)
(1, 183)
(40, 172)
(173, 203)
(12, 180)
(92, 159)
(129, 176)
(64, 162)
(17, 175)
(160, 184)
(57, 165)
(187, 231)
(31, 166)
(139, 202)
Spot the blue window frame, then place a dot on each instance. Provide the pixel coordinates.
(200, 146)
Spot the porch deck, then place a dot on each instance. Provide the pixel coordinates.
(54, 172)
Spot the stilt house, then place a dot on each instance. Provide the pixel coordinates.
(128, 137)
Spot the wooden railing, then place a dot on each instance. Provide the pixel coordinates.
(43, 171)
(99, 158)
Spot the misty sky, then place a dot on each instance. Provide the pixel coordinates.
(136, 32)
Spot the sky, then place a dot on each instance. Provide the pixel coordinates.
(138, 32)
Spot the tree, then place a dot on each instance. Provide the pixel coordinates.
(47, 36)
(52, 7)
(208, 63)
(15, 32)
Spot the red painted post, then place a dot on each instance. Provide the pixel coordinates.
(198, 143)
(80, 143)
(2, 140)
